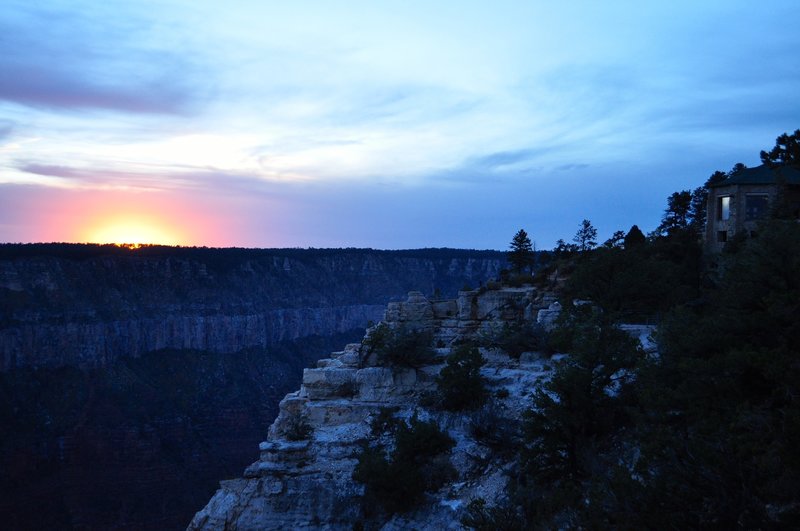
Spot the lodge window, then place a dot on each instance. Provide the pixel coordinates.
(755, 206)
(722, 236)
(724, 207)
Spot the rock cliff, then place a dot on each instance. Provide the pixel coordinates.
(86, 306)
(307, 483)
(131, 381)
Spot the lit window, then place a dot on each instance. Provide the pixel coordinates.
(755, 206)
(724, 207)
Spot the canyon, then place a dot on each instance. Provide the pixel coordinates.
(133, 380)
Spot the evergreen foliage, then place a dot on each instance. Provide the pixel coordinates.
(400, 347)
(721, 410)
(642, 280)
(519, 336)
(586, 237)
(634, 238)
(616, 240)
(704, 436)
(521, 255)
(786, 151)
(461, 386)
(396, 481)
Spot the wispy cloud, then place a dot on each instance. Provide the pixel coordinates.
(502, 159)
(6, 128)
(61, 58)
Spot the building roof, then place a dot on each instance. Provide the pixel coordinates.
(763, 175)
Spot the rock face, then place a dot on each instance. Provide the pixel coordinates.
(307, 484)
(76, 307)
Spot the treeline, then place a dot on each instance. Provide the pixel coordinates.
(705, 434)
(86, 251)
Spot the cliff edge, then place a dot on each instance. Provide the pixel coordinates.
(304, 477)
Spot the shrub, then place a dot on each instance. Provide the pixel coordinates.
(489, 427)
(518, 337)
(401, 347)
(384, 421)
(397, 481)
(298, 428)
(501, 517)
(461, 386)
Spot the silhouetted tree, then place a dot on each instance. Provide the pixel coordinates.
(586, 237)
(677, 215)
(737, 168)
(634, 238)
(786, 151)
(460, 383)
(697, 210)
(521, 254)
(717, 176)
(616, 240)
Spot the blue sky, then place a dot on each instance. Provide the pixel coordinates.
(379, 124)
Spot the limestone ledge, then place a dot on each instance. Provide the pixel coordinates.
(307, 484)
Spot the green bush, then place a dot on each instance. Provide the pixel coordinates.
(489, 427)
(397, 481)
(461, 386)
(298, 428)
(401, 347)
(518, 337)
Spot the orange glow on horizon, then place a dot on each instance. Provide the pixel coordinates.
(133, 230)
(117, 217)
(135, 219)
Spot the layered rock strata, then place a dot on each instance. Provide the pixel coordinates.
(307, 484)
(87, 312)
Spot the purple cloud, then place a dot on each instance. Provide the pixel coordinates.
(35, 86)
(65, 59)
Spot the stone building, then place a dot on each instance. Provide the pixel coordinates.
(737, 203)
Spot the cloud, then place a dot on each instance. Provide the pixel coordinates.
(153, 178)
(503, 159)
(79, 59)
(6, 128)
(38, 86)
(49, 170)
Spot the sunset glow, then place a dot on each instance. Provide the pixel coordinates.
(133, 231)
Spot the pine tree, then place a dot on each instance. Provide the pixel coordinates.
(586, 237)
(521, 254)
(634, 238)
(785, 153)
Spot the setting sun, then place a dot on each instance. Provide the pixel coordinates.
(132, 232)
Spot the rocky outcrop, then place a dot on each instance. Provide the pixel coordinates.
(307, 484)
(56, 309)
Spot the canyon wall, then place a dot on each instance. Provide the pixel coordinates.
(132, 381)
(87, 305)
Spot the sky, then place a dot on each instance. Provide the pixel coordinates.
(378, 124)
